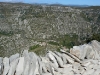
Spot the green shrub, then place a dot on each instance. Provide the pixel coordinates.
(6, 33)
(85, 17)
(34, 47)
(58, 49)
(96, 37)
(93, 37)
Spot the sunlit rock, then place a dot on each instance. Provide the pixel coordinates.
(13, 66)
(14, 57)
(20, 66)
(6, 65)
(52, 59)
(1, 65)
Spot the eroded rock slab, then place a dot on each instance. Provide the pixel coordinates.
(13, 57)
(13, 66)
(20, 66)
(6, 65)
(1, 65)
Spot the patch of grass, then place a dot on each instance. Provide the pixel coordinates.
(34, 47)
(53, 43)
(58, 49)
(39, 50)
(68, 40)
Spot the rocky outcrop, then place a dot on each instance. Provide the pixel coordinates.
(88, 51)
(55, 63)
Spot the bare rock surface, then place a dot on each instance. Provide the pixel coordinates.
(6, 65)
(55, 63)
(13, 57)
(1, 65)
(52, 58)
(20, 66)
(13, 66)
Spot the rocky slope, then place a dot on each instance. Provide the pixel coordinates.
(22, 25)
(82, 60)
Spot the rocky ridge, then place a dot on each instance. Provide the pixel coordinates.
(82, 60)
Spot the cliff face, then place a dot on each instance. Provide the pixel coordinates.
(23, 24)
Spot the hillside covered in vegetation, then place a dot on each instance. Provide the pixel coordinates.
(46, 27)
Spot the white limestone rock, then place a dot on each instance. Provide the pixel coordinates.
(67, 68)
(45, 59)
(1, 65)
(86, 64)
(96, 66)
(79, 51)
(13, 66)
(64, 60)
(62, 57)
(69, 59)
(96, 45)
(76, 71)
(46, 74)
(48, 67)
(91, 52)
(69, 73)
(85, 51)
(52, 59)
(57, 73)
(44, 69)
(90, 63)
(58, 59)
(55, 68)
(81, 70)
(40, 66)
(71, 55)
(57, 53)
(20, 66)
(26, 55)
(26, 63)
(6, 65)
(36, 72)
(89, 72)
(96, 72)
(76, 65)
(26, 68)
(1, 59)
(14, 57)
(33, 64)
